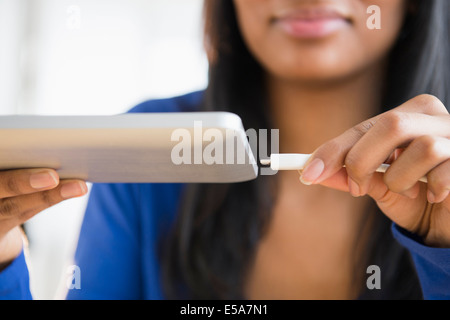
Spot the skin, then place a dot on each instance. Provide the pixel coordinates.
(23, 194)
(308, 250)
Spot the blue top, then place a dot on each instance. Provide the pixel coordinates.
(118, 243)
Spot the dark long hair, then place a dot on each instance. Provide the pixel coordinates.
(218, 227)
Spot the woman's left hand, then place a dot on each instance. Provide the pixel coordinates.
(414, 139)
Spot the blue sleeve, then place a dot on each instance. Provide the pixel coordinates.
(15, 281)
(432, 264)
(108, 247)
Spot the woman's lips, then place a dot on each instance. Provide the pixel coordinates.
(312, 24)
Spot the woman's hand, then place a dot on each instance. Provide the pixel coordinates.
(24, 193)
(415, 139)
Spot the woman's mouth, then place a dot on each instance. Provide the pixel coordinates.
(312, 23)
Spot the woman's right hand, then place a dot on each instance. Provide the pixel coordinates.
(23, 194)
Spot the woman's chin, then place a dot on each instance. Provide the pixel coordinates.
(312, 75)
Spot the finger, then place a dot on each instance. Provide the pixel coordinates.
(425, 104)
(439, 183)
(391, 131)
(26, 181)
(338, 181)
(419, 158)
(395, 128)
(394, 155)
(329, 158)
(21, 208)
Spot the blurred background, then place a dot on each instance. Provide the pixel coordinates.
(90, 57)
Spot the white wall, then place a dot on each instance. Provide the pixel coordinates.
(11, 36)
(90, 57)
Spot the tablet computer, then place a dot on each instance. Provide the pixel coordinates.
(179, 147)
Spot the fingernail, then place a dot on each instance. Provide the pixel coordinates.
(305, 182)
(312, 172)
(431, 197)
(353, 188)
(43, 180)
(73, 189)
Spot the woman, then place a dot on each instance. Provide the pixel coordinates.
(332, 85)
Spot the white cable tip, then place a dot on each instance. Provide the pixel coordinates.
(288, 161)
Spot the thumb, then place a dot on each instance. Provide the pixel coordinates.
(338, 181)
